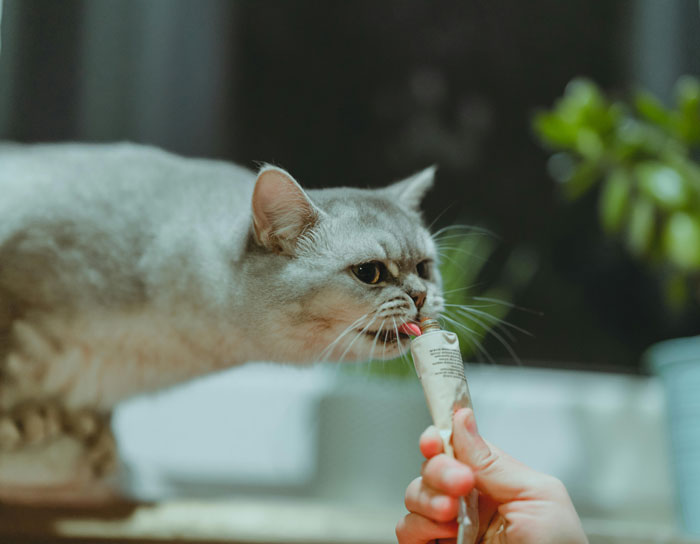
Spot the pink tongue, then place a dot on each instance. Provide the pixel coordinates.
(410, 329)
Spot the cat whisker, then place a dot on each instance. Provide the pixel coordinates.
(444, 250)
(473, 305)
(469, 228)
(359, 334)
(329, 348)
(394, 307)
(509, 305)
(394, 304)
(495, 334)
(396, 328)
(396, 332)
(440, 215)
(450, 291)
(472, 340)
(376, 337)
(384, 347)
(486, 315)
(392, 313)
(398, 338)
(456, 236)
(404, 355)
(488, 327)
(448, 258)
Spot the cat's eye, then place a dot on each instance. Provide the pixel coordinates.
(372, 272)
(423, 269)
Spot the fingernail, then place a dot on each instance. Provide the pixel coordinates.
(470, 423)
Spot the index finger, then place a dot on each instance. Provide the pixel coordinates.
(430, 442)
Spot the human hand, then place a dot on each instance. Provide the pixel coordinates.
(517, 505)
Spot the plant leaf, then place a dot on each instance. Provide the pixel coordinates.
(663, 184)
(582, 178)
(640, 231)
(554, 130)
(614, 200)
(651, 109)
(681, 240)
(676, 291)
(688, 100)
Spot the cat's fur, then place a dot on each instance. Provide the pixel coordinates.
(125, 269)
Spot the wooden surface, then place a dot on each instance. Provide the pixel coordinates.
(238, 521)
(251, 521)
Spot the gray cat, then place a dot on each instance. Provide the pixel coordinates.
(125, 269)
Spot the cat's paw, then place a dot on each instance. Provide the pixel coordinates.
(94, 430)
(102, 454)
(55, 455)
(40, 423)
(10, 436)
(84, 424)
(30, 424)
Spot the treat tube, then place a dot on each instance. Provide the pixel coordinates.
(439, 366)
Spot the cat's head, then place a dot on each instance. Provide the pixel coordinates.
(338, 271)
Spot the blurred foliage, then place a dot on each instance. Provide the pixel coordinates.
(472, 309)
(643, 156)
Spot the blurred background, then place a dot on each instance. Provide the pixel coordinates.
(363, 93)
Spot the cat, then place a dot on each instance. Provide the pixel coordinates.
(125, 269)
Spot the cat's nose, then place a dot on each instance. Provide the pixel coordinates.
(418, 299)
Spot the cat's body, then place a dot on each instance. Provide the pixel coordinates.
(126, 269)
(110, 241)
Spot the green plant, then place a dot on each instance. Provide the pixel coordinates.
(643, 155)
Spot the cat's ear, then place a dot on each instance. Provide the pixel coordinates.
(410, 191)
(282, 212)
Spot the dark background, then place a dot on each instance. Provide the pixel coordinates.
(366, 92)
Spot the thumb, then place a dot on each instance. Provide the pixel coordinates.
(496, 474)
